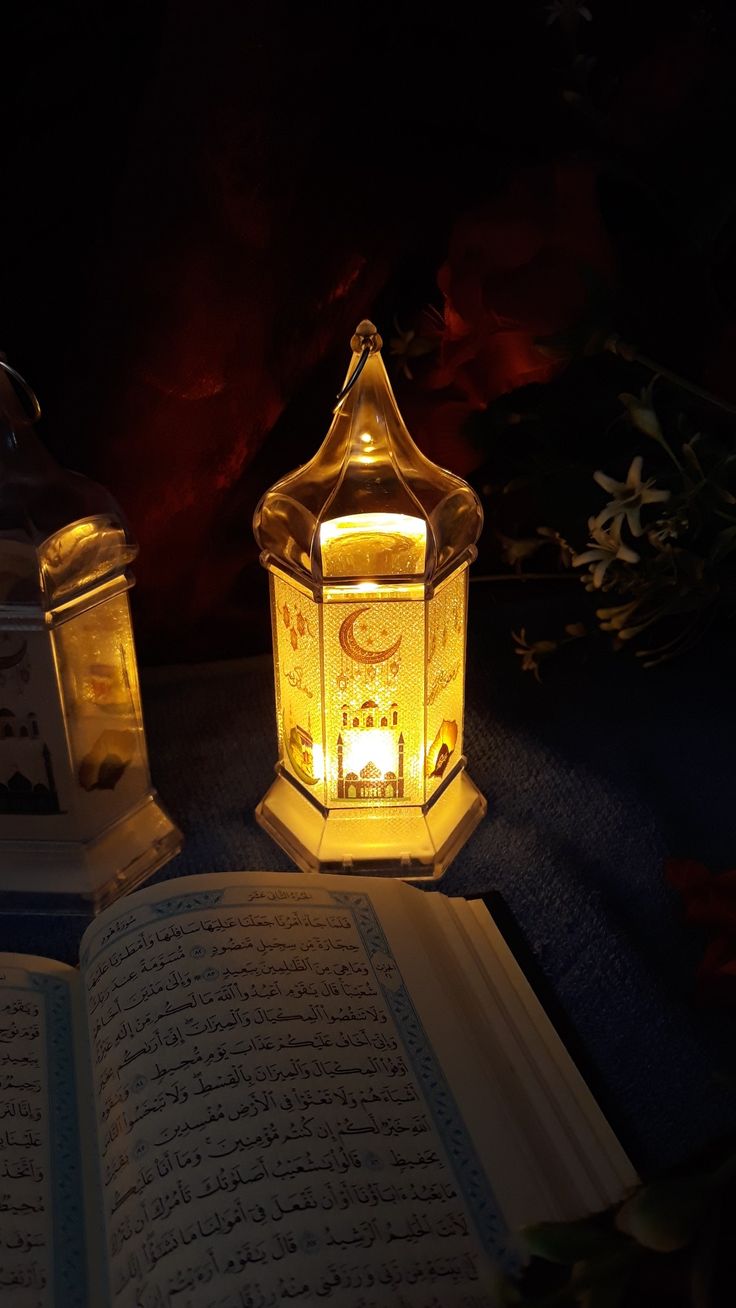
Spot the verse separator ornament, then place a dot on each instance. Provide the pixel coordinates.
(80, 823)
(368, 547)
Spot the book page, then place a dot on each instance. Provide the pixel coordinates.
(42, 1255)
(581, 1130)
(580, 1165)
(543, 1159)
(273, 1122)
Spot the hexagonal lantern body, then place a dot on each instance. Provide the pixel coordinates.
(79, 820)
(368, 547)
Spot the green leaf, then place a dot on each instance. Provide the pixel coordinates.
(572, 1242)
(642, 415)
(667, 1215)
(608, 1265)
(603, 1282)
(516, 549)
(691, 457)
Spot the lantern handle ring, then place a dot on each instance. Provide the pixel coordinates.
(25, 389)
(366, 340)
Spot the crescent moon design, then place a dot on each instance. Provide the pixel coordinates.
(355, 651)
(12, 660)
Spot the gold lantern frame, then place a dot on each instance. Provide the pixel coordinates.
(368, 547)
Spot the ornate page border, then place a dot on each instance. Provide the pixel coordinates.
(473, 1182)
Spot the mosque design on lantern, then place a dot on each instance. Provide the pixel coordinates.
(27, 785)
(370, 782)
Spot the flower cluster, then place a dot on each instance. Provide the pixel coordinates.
(665, 555)
(606, 545)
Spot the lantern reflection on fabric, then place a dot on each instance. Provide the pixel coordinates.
(368, 547)
(78, 816)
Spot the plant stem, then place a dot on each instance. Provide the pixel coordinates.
(630, 353)
(527, 576)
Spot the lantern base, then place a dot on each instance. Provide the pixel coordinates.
(39, 876)
(414, 843)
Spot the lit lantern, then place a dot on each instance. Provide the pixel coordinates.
(368, 547)
(78, 816)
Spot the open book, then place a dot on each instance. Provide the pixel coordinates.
(263, 1088)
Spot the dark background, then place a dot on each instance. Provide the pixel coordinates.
(200, 201)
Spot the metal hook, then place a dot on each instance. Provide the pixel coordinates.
(357, 370)
(25, 389)
(367, 340)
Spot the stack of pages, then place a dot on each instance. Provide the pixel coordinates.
(265, 1088)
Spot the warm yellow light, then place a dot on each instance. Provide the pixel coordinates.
(378, 544)
(318, 760)
(377, 748)
(369, 647)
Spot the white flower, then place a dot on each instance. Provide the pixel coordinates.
(531, 651)
(516, 550)
(605, 547)
(629, 497)
(642, 413)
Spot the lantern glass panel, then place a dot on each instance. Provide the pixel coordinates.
(445, 679)
(82, 555)
(98, 675)
(374, 684)
(373, 544)
(298, 678)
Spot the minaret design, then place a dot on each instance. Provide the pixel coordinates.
(53, 801)
(340, 778)
(24, 758)
(369, 782)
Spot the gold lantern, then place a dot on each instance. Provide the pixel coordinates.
(78, 816)
(368, 547)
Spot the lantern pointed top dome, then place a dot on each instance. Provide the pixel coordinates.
(60, 533)
(368, 504)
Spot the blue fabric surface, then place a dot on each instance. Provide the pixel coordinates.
(593, 778)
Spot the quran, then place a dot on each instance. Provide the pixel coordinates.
(267, 1088)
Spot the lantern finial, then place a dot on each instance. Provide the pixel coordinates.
(365, 341)
(366, 337)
